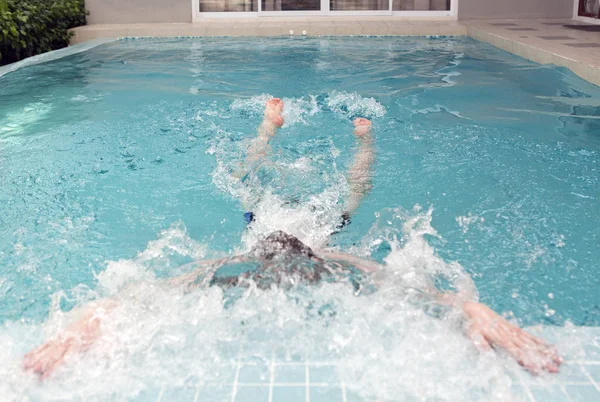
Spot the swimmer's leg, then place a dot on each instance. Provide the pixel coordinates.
(360, 172)
(260, 148)
(272, 121)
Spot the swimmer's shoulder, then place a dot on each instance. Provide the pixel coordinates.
(363, 264)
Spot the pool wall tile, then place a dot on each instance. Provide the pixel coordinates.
(179, 394)
(571, 373)
(295, 374)
(252, 394)
(582, 393)
(255, 373)
(594, 371)
(553, 393)
(326, 394)
(211, 393)
(150, 394)
(289, 394)
(323, 374)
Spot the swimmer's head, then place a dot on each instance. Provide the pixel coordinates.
(281, 245)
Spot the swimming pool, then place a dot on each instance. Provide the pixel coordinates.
(115, 167)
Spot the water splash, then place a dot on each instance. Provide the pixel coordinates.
(384, 346)
(352, 105)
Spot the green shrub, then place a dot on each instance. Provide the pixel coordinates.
(30, 27)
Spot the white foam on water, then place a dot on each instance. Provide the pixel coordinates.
(296, 110)
(447, 75)
(465, 222)
(385, 345)
(311, 220)
(353, 105)
(441, 109)
(155, 258)
(300, 110)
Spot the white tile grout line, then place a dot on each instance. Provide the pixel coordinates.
(329, 385)
(525, 387)
(301, 363)
(564, 391)
(235, 381)
(594, 383)
(307, 380)
(285, 384)
(271, 379)
(160, 394)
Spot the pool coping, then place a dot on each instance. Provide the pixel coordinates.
(54, 55)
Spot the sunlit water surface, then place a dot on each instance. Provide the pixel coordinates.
(116, 168)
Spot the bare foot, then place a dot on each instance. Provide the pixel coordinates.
(488, 329)
(362, 126)
(273, 110)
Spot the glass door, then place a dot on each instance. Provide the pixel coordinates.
(589, 8)
(359, 5)
(325, 7)
(291, 5)
(270, 8)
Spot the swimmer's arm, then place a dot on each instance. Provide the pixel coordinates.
(79, 336)
(203, 269)
(357, 262)
(487, 329)
(86, 326)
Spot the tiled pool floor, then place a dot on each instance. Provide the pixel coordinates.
(313, 381)
(296, 379)
(319, 382)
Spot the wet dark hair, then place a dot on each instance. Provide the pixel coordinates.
(281, 245)
(281, 256)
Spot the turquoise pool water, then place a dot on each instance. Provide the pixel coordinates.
(115, 167)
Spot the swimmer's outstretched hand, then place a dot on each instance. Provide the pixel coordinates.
(75, 339)
(273, 110)
(488, 329)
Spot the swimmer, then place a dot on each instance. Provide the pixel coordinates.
(283, 260)
(359, 175)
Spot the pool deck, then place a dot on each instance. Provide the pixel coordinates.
(542, 41)
(545, 42)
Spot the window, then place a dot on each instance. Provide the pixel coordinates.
(322, 6)
(589, 8)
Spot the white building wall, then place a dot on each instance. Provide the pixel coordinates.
(138, 11)
(499, 9)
